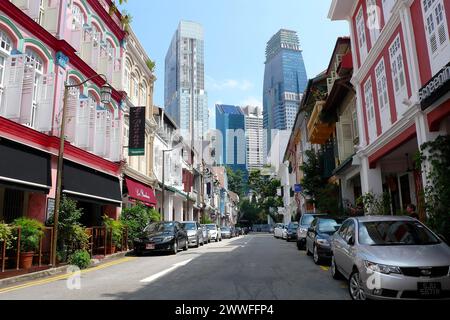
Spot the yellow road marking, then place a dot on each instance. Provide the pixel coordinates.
(65, 276)
(324, 268)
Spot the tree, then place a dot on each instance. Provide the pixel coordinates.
(313, 180)
(137, 218)
(236, 182)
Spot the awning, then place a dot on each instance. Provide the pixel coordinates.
(141, 192)
(83, 182)
(24, 167)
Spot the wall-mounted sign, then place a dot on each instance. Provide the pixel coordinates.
(136, 141)
(50, 208)
(298, 188)
(438, 86)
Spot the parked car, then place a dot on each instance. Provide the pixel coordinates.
(291, 232)
(405, 258)
(214, 230)
(239, 231)
(194, 233)
(318, 237)
(162, 236)
(284, 232)
(278, 230)
(304, 224)
(226, 232)
(206, 234)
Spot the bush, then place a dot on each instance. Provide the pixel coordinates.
(116, 227)
(81, 259)
(137, 218)
(31, 233)
(6, 234)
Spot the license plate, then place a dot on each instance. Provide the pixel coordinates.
(429, 289)
(150, 246)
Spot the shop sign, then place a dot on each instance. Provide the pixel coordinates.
(438, 86)
(137, 132)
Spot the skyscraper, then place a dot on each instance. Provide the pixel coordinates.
(230, 121)
(184, 88)
(254, 132)
(285, 80)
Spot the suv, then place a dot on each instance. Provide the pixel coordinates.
(194, 232)
(304, 224)
(214, 231)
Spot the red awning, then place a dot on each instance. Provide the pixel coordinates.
(141, 192)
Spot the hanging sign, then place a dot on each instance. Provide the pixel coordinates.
(137, 132)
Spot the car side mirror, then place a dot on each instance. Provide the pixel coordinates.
(310, 229)
(351, 241)
(444, 239)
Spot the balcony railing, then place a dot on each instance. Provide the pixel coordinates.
(318, 131)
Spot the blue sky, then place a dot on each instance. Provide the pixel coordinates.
(236, 33)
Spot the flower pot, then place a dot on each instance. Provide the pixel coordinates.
(113, 249)
(26, 260)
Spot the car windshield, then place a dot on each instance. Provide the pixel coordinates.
(328, 225)
(293, 226)
(211, 227)
(160, 227)
(225, 229)
(189, 226)
(307, 220)
(395, 233)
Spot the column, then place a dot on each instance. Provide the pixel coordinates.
(168, 207)
(371, 179)
(178, 206)
(347, 191)
(190, 212)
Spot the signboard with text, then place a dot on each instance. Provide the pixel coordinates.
(437, 87)
(136, 142)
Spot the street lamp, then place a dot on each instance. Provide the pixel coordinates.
(105, 96)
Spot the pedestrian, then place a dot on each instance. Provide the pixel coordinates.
(411, 209)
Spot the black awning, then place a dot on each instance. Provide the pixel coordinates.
(82, 182)
(24, 167)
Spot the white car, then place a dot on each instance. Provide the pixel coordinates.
(284, 232)
(214, 230)
(278, 230)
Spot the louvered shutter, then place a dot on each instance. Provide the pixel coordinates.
(82, 125)
(115, 140)
(108, 130)
(34, 9)
(45, 104)
(14, 74)
(76, 39)
(50, 22)
(26, 106)
(100, 132)
(71, 116)
(92, 124)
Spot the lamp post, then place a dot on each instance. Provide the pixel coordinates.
(106, 93)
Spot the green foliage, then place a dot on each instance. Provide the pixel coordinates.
(116, 228)
(313, 180)
(151, 65)
(69, 228)
(236, 182)
(6, 234)
(137, 218)
(31, 233)
(328, 199)
(436, 156)
(206, 220)
(376, 205)
(80, 258)
(126, 21)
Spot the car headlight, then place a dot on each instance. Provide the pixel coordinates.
(323, 242)
(381, 268)
(167, 239)
(302, 230)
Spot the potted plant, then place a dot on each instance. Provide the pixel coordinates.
(31, 233)
(116, 229)
(6, 234)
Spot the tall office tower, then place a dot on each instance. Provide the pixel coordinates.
(230, 121)
(254, 131)
(184, 89)
(285, 80)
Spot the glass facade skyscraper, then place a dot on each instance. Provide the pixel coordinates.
(230, 121)
(285, 80)
(185, 98)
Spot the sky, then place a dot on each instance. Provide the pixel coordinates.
(236, 34)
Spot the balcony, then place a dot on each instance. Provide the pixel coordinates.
(319, 132)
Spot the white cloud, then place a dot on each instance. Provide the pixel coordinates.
(228, 84)
(251, 101)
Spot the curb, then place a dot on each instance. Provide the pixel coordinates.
(4, 283)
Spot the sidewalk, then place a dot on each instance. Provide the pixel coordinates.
(96, 261)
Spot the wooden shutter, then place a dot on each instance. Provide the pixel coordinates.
(108, 130)
(45, 104)
(33, 9)
(26, 106)
(71, 116)
(92, 124)
(14, 74)
(115, 140)
(100, 131)
(50, 22)
(82, 137)
(76, 39)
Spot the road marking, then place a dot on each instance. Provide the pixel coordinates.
(325, 268)
(167, 271)
(64, 276)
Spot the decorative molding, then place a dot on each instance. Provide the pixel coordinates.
(61, 60)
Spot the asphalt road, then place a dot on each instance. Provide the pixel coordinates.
(254, 267)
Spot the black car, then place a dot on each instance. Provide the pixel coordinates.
(162, 236)
(318, 237)
(291, 233)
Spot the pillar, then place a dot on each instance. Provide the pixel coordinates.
(371, 179)
(190, 212)
(168, 207)
(178, 206)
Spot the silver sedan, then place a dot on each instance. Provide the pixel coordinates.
(391, 258)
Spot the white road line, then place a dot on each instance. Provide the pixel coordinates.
(167, 271)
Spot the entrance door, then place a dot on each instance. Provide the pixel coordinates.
(405, 189)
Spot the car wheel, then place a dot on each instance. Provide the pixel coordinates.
(334, 270)
(316, 256)
(186, 247)
(356, 288)
(175, 247)
(308, 253)
(138, 253)
(197, 243)
(299, 246)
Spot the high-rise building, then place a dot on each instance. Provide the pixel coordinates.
(285, 80)
(184, 90)
(230, 122)
(254, 131)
